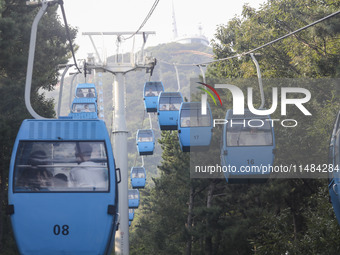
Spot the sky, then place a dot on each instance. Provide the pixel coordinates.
(127, 15)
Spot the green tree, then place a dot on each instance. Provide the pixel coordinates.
(52, 49)
(283, 215)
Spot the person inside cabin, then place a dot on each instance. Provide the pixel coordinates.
(186, 122)
(86, 108)
(134, 175)
(143, 139)
(88, 174)
(90, 93)
(150, 93)
(253, 138)
(35, 177)
(141, 174)
(173, 107)
(60, 181)
(163, 107)
(80, 93)
(44, 178)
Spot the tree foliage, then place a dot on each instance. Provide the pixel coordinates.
(51, 49)
(283, 216)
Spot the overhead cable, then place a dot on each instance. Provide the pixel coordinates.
(258, 48)
(145, 20)
(61, 3)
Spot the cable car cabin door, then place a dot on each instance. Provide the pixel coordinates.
(152, 89)
(334, 178)
(194, 129)
(57, 209)
(62, 224)
(195, 138)
(145, 139)
(138, 177)
(249, 150)
(248, 162)
(138, 183)
(334, 190)
(167, 120)
(133, 196)
(168, 107)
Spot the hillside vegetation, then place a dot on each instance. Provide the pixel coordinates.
(181, 215)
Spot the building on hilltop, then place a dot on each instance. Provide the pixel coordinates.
(187, 39)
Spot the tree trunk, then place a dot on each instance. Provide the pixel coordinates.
(189, 221)
(2, 190)
(208, 238)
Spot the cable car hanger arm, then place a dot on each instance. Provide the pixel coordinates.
(30, 62)
(31, 53)
(259, 77)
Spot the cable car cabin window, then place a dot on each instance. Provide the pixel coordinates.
(138, 173)
(145, 136)
(90, 92)
(56, 166)
(153, 89)
(336, 151)
(83, 108)
(133, 194)
(170, 103)
(194, 118)
(244, 135)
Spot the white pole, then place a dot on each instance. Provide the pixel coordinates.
(150, 121)
(119, 137)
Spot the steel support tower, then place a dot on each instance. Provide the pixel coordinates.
(119, 130)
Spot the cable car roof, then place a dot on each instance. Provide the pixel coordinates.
(170, 94)
(52, 129)
(133, 191)
(84, 100)
(148, 132)
(86, 86)
(158, 85)
(192, 105)
(137, 168)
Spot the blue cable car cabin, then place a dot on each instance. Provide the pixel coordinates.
(248, 141)
(336, 127)
(62, 189)
(133, 196)
(194, 129)
(334, 160)
(87, 90)
(168, 110)
(334, 178)
(138, 177)
(84, 108)
(145, 139)
(152, 89)
(131, 214)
